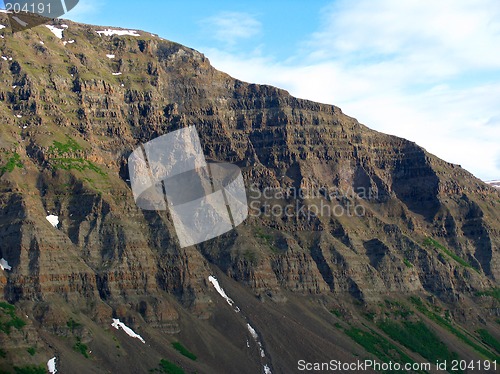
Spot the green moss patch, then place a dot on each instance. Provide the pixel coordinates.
(76, 164)
(417, 337)
(489, 339)
(81, 347)
(60, 148)
(30, 370)
(8, 318)
(429, 242)
(494, 292)
(183, 351)
(419, 304)
(379, 346)
(168, 367)
(12, 163)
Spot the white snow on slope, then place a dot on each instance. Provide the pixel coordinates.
(495, 184)
(2, 27)
(255, 337)
(252, 332)
(117, 73)
(267, 370)
(51, 365)
(110, 32)
(54, 220)
(4, 265)
(117, 325)
(57, 32)
(68, 42)
(220, 290)
(110, 56)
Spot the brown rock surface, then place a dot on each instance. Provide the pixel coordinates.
(428, 227)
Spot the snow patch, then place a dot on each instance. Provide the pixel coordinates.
(42, 43)
(57, 32)
(110, 56)
(5, 58)
(117, 73)
(2, 27)
(18, 115)
(267, 370)
(51, 365)
(220, 290)
(117, 325)
(255, 337)
(495, 183)
(252, 332)
(54, 220)
(110, 32)
(4, 264)
(68, 42)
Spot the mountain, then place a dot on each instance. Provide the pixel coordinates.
(495, 183)
(404, 267)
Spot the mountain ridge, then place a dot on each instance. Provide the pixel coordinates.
(430, 228)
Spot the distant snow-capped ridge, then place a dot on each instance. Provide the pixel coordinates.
(495, 183)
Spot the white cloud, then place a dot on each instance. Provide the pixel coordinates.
(229, 27)
(426, 71)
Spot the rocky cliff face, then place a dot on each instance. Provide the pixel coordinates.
(399, 222)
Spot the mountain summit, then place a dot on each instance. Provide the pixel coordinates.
(358, 244)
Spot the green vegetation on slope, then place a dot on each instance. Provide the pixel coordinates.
(62, 148)
(30, 369)
(429, 242)
(81, 347)
(379, 346)
(417, 337)
(454, 330)
(268, 239)
(72, 324)
(183, 351)
(12, 163)
(59, 151)
(75, 164)
(31, 351)
(397, 309)
(407, 263)
(168, 367)
(9, 319)
(489, 339)
(494, 292)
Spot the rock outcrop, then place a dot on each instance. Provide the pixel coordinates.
(399, 221)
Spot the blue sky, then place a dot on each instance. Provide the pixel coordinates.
(420, 69)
